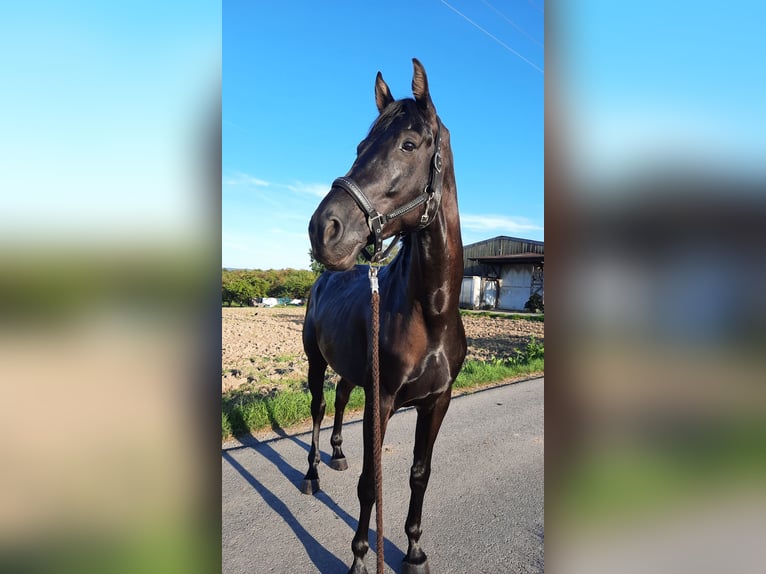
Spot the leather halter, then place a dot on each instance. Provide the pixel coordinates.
(376, 220)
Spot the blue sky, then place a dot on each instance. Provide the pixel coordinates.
(298, 81)
(108, 106)
(104, 106)
(647, 84)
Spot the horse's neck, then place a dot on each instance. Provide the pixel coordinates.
(437, 265)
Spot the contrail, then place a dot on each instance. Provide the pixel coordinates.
(503, 44)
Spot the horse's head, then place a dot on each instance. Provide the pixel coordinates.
(393, 187)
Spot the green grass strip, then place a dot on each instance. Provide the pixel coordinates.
(244, 412)
(535, 317)
(478, 373)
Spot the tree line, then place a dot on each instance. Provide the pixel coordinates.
(241, 286)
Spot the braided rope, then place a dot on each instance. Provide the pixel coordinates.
(377, 439)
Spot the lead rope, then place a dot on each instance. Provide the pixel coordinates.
(377, 439)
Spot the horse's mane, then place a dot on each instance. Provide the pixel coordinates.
(394, 111)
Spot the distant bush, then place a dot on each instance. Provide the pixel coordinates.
(535, 304)
(241, 286)
(237, 291)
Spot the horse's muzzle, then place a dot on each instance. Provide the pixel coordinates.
(337, 238)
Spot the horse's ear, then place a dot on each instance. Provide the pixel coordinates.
(383, 95)
(420, 85)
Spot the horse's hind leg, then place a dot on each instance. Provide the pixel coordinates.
(317, 368)
(342, 392)
(429, 421)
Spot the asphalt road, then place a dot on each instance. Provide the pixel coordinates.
(483, 509)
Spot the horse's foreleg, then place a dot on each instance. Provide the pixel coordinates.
(342, 392)
(366, 487)
(429, 422)
(317, 368)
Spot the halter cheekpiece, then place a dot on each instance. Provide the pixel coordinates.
(376, 220)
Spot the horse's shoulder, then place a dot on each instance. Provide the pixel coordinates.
(339, 292)
(337, 279)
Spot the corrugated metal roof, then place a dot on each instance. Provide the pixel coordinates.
(505, 238)
(500, 246)
(515, 258)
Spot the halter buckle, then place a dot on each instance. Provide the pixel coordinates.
(375, 222)
(430, 193)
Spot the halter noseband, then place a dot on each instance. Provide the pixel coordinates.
(376, 220)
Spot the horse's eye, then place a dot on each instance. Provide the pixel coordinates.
(409, 146)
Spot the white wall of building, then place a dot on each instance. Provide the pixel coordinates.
(514, 290)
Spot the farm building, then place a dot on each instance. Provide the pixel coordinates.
(502, 273)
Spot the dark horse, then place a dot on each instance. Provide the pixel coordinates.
(404, 170)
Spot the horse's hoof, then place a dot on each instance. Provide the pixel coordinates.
(422, 568)
(357, 568)
(310, 486)
(339, 463)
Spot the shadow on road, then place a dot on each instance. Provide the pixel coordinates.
(325, 561)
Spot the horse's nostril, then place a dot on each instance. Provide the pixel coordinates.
(333, 231)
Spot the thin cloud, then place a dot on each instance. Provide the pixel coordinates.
(298, 187)
(497, 222)
(240, 178)
(315, 189)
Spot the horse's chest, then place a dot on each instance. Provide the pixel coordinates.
(405, 339)
(416, 356)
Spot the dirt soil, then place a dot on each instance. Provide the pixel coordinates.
(262, 348)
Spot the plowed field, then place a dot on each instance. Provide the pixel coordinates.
(262, 347)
